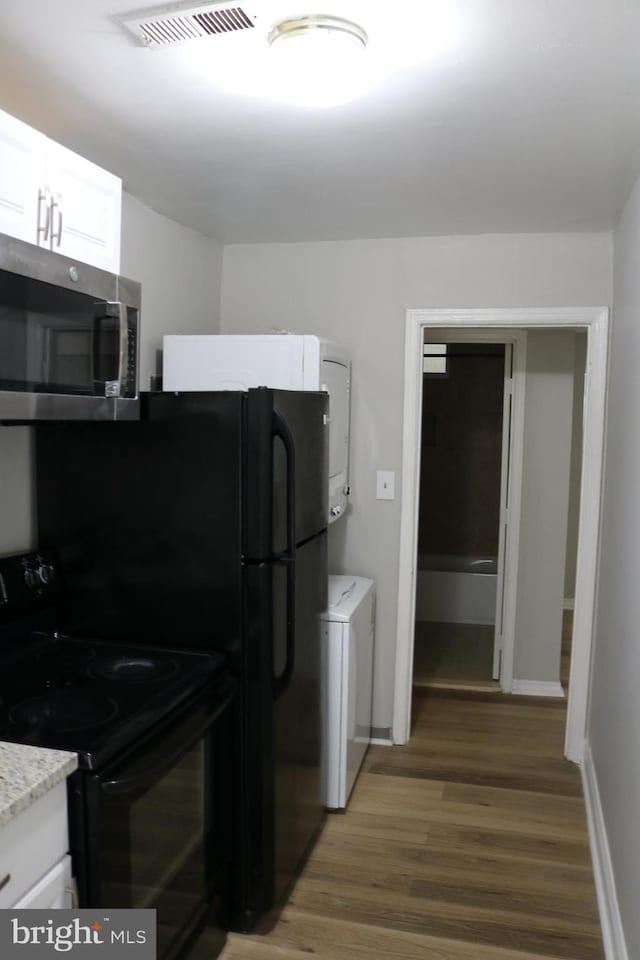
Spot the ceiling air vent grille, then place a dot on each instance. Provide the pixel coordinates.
(161, 28)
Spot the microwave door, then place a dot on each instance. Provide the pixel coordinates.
(66, 357)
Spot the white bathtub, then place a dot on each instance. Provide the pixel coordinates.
(451, 589)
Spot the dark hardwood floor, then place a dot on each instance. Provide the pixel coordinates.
(469, 843)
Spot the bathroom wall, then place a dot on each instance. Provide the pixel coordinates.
(180, 274)
(545, 503)
(461, 453)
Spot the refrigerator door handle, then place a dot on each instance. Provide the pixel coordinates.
(281, 430)
(281, 683)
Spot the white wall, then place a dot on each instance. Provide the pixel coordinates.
(576, 466)
(614, 723)
(357, 292)
(545, 501)
(180, 272)
(16, 490)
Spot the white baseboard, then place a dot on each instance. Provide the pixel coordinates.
(381, 737)
(568, 603)
(449, 618)
(538, 688)
(615, 947)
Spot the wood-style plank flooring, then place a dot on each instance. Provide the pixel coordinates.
(470, 843)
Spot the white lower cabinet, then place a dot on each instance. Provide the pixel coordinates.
(34, 863)
(57, 199)
(53, 892)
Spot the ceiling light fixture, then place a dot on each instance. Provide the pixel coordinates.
(333, 30)
(309, 60)
(319, 60)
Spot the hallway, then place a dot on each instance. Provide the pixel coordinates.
(470, 843)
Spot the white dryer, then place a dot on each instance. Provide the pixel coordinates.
(349, 630)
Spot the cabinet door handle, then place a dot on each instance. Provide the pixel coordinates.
(43, 203)
(5, 881)
(56, 235)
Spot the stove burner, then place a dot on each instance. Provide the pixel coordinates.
(134, 669)
(64, 710)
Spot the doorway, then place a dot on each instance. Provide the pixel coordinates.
(595, 322)
(465, 437)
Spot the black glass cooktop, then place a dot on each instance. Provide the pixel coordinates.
(91, 697)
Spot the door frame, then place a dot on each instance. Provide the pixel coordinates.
(517, 339)
(593, 320)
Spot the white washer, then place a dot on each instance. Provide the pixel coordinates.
(349, 628)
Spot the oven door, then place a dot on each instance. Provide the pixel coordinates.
(152, 829)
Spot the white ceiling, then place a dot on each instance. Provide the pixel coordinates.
(526, 119)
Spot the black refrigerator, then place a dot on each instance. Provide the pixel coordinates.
(203, 525)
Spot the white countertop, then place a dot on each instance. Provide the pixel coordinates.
(27, 773)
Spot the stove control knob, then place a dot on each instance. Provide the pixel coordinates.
(44, 574)
(30, 577)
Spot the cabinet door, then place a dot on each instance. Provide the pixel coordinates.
(52, 892)
(86, 205)
(31, 843)
(22, 198)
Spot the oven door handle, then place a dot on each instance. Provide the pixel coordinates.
(159, 761)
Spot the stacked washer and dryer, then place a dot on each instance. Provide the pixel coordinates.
(304, 362)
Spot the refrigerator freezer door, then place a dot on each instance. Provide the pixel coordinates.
(306, 418)
(204, 362)
(286, 469)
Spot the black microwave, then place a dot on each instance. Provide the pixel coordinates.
(69, 337)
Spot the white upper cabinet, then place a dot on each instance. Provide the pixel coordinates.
(22, 159)
(85, 208)
(54, 198)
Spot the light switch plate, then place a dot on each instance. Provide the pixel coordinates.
(385, 485)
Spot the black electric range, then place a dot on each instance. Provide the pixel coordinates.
(90, 697)
(150, 805)
(76, 693)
